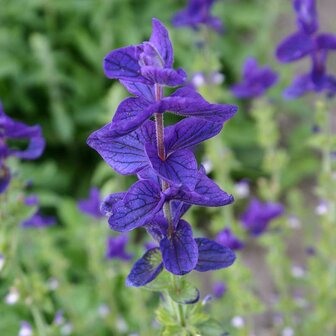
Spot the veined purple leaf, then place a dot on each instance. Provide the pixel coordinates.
(189, 132)
(145, 269)
(164, 76)
(179, 252)
(160, 40)
(130, 115)
(187, 102)
(124, 154)
(123, 64)
(106, 207)
(295, 47)
(140, 90)
(179, 168)
(213, 256)
(142, 201)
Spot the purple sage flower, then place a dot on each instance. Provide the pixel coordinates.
(162, 159)
(38, 221)
(307, 42)
(219, 289)
(256, 80)
(198, 13)
(258, 215)
(116, 248)
(91, 206)
(14, 130)
(228, 239)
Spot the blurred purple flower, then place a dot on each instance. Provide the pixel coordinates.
(307, 42)
(197, 13)
(228, 239)
(38, 221)
(219, 289)
(256, 80)
(31, 200)
(116, 248)
(91, 206)
(14, 130)
(258, 216)
(25, 329)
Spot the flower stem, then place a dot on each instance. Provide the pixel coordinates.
(159, 127)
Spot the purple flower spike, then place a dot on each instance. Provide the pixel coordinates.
(91, 206)
(213, 256)
(198, 13)
(228, 239)
(219, 289)
(145, 269)
(38, 221)
(115, 248)
(256, 81)
(162, 158)
(308, 42)
(258, 216)
(179, 251)
(14, 130)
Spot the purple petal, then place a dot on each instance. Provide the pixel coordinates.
(300, 86)
(228, 239)
(140, 204)
(179, 167)
(38, 221)
(116, 248)
(140, 90)
(306, 15)
(164, 76)
(160, 40)
(106, 207)
(187, 102)
(178, 210)
(91, 206)
(123, 64)
(189, 132)
(179, 251)
(124, 154)
(294, 47)
(157, 227)
(213, 256)
(145, 269)
(250, 67)
(326, 41)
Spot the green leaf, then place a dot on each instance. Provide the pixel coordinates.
(210, 328)
(183, 292)
(161, 283)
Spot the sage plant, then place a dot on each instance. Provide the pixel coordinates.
(170, 180)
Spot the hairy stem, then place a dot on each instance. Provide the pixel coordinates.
(159, 126)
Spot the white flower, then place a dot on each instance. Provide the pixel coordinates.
(13, 296)
(103, 310)
(66, 329)
(238, 322)
(2, 261)
(198, 79)
(321, 209)
(25, 329)
(298, 271)
(287, 332)
(242, 189)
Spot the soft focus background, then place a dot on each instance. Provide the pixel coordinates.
(51, 74)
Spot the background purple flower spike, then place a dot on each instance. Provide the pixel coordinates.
(197, 13)
(116, 248)
(91, 206)
(38, 221)
(258, 216)
(228, 239)
(256, 80)
(219, 289)
(306, 15)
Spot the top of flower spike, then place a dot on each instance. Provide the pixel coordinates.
(306, 15)
(198, 12)
(148, 63)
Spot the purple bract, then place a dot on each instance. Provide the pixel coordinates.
(116, 248)
(258, 215)
(307, 42)
(170, 180)
(256, 80)
(14, 130)
(197, 13)
(228, 239)
(91, 206)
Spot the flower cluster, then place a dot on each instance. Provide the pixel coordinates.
(170, 180)
(256, 80)
(197, 13)
(307, 42)
(14, 130)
